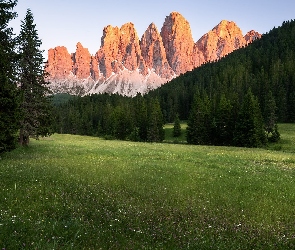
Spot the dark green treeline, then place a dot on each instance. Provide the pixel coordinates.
(235, 101)
(112, 116)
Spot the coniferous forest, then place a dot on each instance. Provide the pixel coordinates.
(237, 100)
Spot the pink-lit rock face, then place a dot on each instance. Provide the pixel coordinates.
(82, 62)
(129, 47)
(109, 53)
(59, 63)
(94, 68)
(178, 43)
(218, 42)
(119, 49)
(251, 36)
(153, 52)
(221, 41)
(126, 65)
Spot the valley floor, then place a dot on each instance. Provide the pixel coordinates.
(75, 192)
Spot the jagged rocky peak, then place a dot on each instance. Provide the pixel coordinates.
(59, 63)
(153, 52)
(109, 51)
(119, 48)
(251, 36)
(94, 68)
(109, 33)
(126, 65)
(178, 42)
(226, 29)
(220, 41)
(82, 60)
(129, 47)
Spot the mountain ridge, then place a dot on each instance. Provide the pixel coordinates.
(127, 65)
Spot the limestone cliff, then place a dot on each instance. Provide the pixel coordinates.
(82, 61)
(178, 42)
(127, 66)
(59, 63)
(220, 41)
(154, 54)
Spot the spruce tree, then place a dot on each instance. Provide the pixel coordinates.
(122, 122)
(35, 103)
(192, 133)
(270, 118)
(176, 127)
(8, 91)
(141, 118)
(224, 122)
(249, 129)
(155, 130)
(199, 122)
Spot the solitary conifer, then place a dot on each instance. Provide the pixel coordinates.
(176, 127)
(35, 104)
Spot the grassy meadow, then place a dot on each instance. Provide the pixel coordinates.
(77, 192)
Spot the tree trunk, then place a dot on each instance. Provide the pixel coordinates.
(21, 136)
(23, 139)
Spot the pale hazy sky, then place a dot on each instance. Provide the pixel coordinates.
(66, 22)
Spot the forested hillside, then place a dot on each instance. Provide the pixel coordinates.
(266, 65)
(261, 76)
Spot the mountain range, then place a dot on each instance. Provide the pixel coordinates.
(127, 65)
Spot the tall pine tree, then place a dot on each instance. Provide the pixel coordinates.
(8, 90)
(155, 130)
(224, 122)
(176, 127)
(141, 118)
(35, 103)
(249, 130)
(270, 118)
(199, 126)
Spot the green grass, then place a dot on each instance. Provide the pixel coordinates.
(75, 192)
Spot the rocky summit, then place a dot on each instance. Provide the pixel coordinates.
(127, 65)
